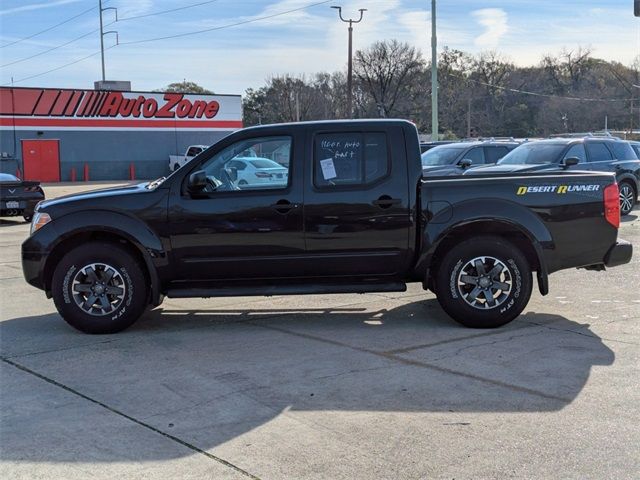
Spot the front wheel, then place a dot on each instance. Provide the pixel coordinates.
(99, 288)
(484, 282)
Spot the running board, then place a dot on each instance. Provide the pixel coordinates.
(271, 290)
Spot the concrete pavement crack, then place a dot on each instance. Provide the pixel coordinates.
(130, 418)
(420, 364)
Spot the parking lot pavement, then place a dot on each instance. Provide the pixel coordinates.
(343, 386)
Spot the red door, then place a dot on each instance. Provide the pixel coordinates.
(41, 160)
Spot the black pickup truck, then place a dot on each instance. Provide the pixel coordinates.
(345, 210)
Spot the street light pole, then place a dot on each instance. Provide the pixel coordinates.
(350, 61)
(434, 74)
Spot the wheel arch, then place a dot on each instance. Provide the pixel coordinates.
(517, 235)
(132, 234)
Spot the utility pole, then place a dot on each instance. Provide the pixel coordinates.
(350, 64)
(103, 33)
(434, 74)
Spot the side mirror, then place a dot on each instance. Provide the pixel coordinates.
(465, 163)
(197, 181)
(570, 162)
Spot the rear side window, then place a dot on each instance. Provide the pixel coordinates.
(493, 154)
(598, 152)
(622, 151)
(350, 159)
(576, 151)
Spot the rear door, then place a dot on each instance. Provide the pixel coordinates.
(356, 214)
(599, 157)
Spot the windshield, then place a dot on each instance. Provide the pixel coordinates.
(533, 154)
(442, 155)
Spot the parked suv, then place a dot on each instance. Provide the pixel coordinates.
(455, 158)
(600, 154)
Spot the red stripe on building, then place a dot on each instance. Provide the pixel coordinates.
(96, 106)
(73, 122)
(86, 103)
(22, 102)
(61, 103)
(73, 104)
(45, 104)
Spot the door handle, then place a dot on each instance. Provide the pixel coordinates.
(385, 201)
(283, 206)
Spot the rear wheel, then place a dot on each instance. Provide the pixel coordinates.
(484, 282)
(99, 288)
(27, 218)
(627, 198)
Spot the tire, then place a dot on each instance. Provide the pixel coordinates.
(243, 182)
(176, 167)
(27, 218)
(461, 291)
(108, 273)
(627, 198)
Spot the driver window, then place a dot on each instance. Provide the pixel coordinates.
(476, 155)
(252, 164)
(577, 151)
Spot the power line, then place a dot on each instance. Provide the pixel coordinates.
(537, 94)
(173, 36)
(57, 68)
(48, 29)
(166, 11)
(226, 26)
(50, 49)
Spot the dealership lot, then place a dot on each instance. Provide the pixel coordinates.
(344, 386)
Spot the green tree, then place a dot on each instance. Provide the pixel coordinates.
(184, 87)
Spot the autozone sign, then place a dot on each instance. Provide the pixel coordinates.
(42, 108)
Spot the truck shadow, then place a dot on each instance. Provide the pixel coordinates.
(209, 377)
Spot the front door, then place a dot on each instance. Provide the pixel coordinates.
(357, 214)
(243, 225)
(41, 160)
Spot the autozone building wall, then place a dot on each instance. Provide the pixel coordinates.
(63, 134)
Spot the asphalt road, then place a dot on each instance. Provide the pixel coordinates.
(343, 386)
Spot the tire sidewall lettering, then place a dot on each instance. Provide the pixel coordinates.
(453, 288)
(66, 289)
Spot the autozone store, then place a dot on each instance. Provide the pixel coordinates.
(55, 135)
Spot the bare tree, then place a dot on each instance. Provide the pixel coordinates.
(390, 73)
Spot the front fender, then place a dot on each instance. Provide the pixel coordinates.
(132, 229)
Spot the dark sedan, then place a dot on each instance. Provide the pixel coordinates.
(608, 154)
(18, 197)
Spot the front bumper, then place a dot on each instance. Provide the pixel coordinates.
(619, 254)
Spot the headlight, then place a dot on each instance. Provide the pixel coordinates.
(40, 219)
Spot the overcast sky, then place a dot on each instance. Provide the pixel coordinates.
(230, 60)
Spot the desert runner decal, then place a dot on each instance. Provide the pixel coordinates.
(558, 189)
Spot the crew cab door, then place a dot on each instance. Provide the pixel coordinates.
(356, 212)
(240, 230)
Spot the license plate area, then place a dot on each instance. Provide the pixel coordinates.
(12, 204)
